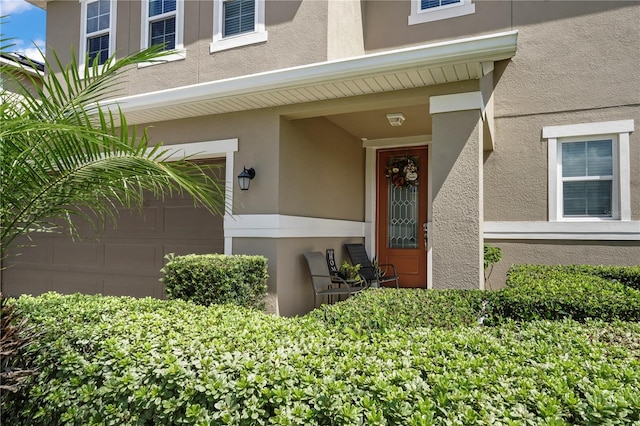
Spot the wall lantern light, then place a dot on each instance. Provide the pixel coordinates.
(244, 178)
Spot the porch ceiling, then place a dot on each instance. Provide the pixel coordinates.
(415, 67)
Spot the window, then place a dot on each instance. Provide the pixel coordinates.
(98, 31)
(163, 23)
(589, 171)
(587, 178)
(237, 23)
(434, 10)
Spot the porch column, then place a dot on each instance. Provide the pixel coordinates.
(456, 236)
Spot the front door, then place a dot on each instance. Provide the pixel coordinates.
(402, 213)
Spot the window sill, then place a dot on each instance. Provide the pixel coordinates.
(237, 41)
(177, 55)
(440, 14)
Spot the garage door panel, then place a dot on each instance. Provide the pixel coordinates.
(132, 286)
(16, 281)
(185, 219)
(134, 257)
(28, 252)
(183, 249)
(147, 219)
(74, 282)
(77, 253)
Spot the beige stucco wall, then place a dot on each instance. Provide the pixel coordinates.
(385, 24)
(345, 36)
(257, 147)
(297, 35)
(557, 78)
(456, 179)
(321, 170)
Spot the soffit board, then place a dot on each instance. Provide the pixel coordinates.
(421, 66)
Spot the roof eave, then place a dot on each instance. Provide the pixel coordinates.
(491, 47)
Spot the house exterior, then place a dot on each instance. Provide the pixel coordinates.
(28, 72)
(422, 128)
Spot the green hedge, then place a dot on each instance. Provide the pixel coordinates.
(578, 292)
(124, 361)
(627, 275)
(384, 309)
(217, 279)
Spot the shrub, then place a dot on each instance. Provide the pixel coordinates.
(131, 361)
(547, 292)
(492, 255)
(386, 308)
(217, 279)
(627, 275)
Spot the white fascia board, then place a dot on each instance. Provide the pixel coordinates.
(595, 231)
(283, 226)
(199, 150)
(491, 47)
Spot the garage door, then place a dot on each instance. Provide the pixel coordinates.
(125, 260)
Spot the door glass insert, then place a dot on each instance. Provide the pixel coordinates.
(402, 174)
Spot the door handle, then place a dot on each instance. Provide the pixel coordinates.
(425, 229)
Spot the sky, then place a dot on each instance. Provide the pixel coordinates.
(25, 24)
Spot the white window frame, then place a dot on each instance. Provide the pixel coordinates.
(219, 42)
(83, 30)
(420, 16)
(179, 52)
(618, 132)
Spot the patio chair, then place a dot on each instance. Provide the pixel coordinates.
(358, 254)
(325, 284)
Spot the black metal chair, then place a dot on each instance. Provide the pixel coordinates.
(324, 284)
(358, 254)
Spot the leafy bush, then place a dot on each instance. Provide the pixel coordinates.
(384, 309)
(546, 292)
(130, 361)
(627, 275)
(491, 255)
(217, 279)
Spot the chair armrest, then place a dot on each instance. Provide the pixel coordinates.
(334, 280)
(393, 267)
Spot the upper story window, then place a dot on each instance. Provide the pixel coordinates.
(98, 31)
(163, 23)
(237, 23)
(435, 10)
(589, 171)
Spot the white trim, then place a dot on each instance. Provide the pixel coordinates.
(180, 52)
(481, 48)
(618, 131)
(220, 43)
(624, 175)
(111, 31)
(199, 150)
(456, 102)
(420, 16)
(282, 226)
(596, 231)
(588, 129)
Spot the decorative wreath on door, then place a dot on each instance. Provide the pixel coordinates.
(402, 173)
